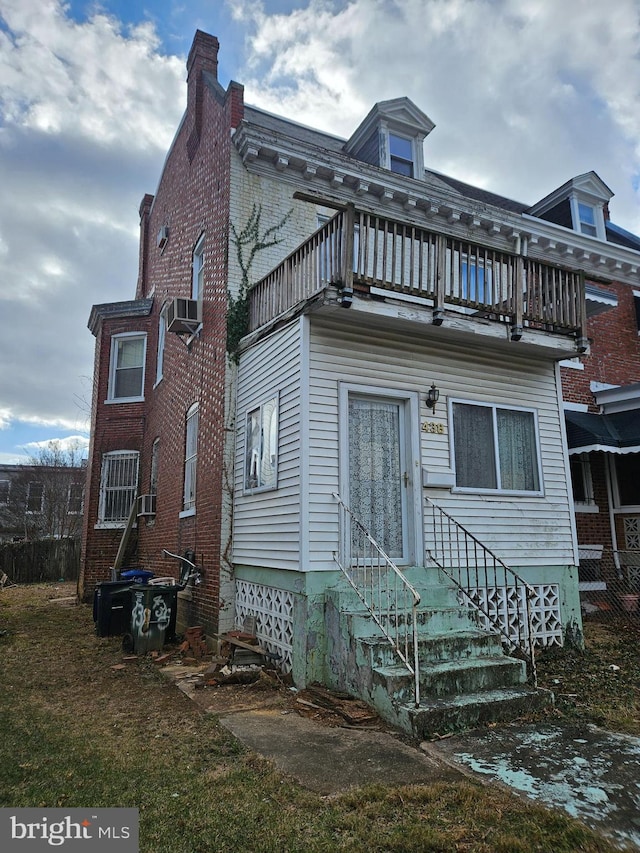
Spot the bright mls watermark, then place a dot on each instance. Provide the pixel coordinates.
(82, 830)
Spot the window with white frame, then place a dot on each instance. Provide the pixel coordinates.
(35, 497)
(627, 480)
(401, 155)
(75, 497)
(126, 374)
(261, 446)
(190, 459)
(5, 488)
(587, 219)
(162, 333)
(581, 482)
(495, 448)
(197, 281)
(118, 486)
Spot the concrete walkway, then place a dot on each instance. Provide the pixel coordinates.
(591, 774)
(330, 760)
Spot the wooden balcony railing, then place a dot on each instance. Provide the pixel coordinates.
(369, 250)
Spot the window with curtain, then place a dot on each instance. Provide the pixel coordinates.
(495, 448)
(126, 375)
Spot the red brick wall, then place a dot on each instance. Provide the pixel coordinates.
(192, 198)
(115, 426)
(615, 350)
(614, 359)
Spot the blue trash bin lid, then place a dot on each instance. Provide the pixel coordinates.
(140, 575)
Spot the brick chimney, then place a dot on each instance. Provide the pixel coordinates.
(203, 56)
(145, 211)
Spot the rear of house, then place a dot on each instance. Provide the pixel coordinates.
(337, 393)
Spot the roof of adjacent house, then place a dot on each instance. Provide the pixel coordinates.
(615, 433)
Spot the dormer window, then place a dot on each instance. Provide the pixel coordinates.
(578, 204)
(391, 137)
(587, 219)
(401, 155)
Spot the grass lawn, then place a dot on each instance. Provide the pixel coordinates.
(74, 732)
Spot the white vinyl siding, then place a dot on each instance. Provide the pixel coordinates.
(524, 530)
(267, 522)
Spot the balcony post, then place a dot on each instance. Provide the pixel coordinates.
(519, 285)
(348, 229)
(441, 276)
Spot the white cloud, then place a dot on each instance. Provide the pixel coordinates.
(525, 93)
(87, 111)
(89, 79)
(76, 444)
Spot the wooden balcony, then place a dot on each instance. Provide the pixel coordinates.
(360, 251)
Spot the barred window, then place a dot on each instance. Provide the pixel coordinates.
(118, 485)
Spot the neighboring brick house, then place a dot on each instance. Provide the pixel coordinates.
(337, 359)
(601, 390)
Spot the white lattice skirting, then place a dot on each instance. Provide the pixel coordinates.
(546, 625)
(273, 610)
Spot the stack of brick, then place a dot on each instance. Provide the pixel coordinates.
(195, 643)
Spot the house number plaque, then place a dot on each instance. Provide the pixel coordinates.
(432, 426)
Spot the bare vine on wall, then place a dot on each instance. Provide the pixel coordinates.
(249, 242)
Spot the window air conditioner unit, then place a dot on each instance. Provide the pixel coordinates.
(163, 237)
(147, 505)
(182, 316)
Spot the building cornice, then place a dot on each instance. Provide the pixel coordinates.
(430, 203)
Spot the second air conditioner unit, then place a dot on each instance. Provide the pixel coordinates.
(147, 505)
(183, 316)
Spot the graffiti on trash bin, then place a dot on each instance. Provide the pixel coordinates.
(145, 618)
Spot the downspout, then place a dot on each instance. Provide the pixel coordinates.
(612, 519)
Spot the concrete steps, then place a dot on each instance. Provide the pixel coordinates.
(455, 714)
(466, 680)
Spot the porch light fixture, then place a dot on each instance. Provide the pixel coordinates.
(433, 396)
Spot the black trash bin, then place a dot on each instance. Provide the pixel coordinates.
(112, 608)
(153, 616)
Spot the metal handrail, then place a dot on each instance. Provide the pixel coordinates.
(390, 599)
(475, 570)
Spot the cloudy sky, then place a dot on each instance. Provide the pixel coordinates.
(525, 94)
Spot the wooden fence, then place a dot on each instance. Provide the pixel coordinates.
(40, 560)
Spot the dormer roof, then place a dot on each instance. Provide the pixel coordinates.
(588, 186)
(399, 114)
